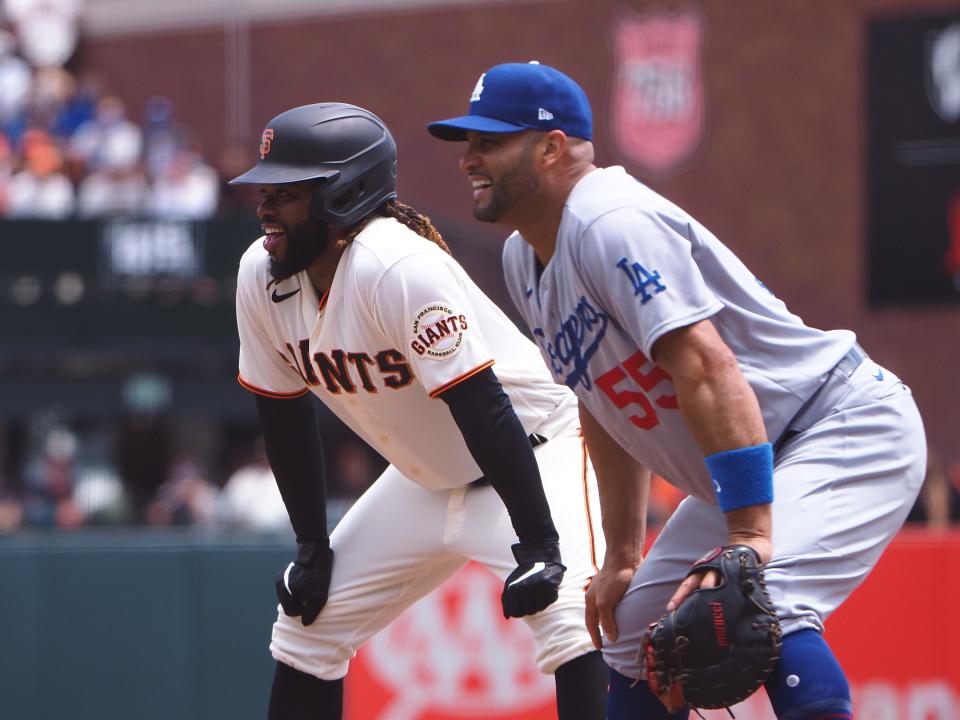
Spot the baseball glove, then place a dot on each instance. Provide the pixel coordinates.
(721, 643)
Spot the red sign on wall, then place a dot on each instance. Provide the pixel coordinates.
(657, 103)
(452, 656)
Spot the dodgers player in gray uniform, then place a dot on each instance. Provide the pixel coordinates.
(787, 438)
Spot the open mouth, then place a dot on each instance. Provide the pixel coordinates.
(481, 186)
(271, 238)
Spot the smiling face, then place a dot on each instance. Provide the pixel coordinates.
(292, 236)
(501, 169)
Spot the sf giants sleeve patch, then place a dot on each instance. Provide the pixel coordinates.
(438, 331)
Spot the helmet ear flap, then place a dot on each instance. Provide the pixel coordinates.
(343, 206)
(334, 209)
(316, 205)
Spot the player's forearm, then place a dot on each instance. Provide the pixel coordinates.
(501, 447)
(623, 486)
(720, 408)
(292, 440)
(743, 431)
(623, 510)
(717, 403)
(721, 411)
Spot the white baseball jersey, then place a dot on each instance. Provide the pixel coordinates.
(630, 266)
(401, 322)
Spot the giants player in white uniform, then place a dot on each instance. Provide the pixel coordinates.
(787, 438)
(353, 296)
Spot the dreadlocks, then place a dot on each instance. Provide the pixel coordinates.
(405, 214)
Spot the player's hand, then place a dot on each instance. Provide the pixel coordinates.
(711, 578)
(535, 583)
(603, 595)
(303, 585)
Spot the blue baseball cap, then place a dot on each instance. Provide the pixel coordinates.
(521, 96)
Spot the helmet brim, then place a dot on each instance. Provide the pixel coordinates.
(274, 174)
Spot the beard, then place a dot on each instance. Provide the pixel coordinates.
(305, 242)
(513, 186)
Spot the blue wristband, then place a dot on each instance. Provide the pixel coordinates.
(743, 476)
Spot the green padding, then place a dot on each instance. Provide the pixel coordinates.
(137, 624)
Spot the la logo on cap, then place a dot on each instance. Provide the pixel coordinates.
(477, 89)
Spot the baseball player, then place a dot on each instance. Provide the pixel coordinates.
(788, 439)
(353, 296)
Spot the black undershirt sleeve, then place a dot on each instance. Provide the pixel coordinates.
(501, 447)
(291, 435)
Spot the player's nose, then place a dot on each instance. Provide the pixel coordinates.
(264, 209)
(469, 160)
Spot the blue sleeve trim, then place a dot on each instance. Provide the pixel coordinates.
(743, 476)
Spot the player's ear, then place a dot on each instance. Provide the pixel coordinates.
(553, 146)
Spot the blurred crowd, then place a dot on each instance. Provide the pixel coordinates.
(71, 480)
(69, 148)
(67, 482)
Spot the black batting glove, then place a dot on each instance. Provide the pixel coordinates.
(303, 586)
(535, 583)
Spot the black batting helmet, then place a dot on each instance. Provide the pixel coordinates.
(346, 147)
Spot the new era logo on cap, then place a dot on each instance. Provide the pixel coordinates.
(521, 96)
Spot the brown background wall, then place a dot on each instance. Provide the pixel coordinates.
(780, 176)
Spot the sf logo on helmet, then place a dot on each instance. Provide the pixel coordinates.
(265, 142)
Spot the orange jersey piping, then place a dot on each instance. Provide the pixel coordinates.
(461, 378)
(584, 476)
(269, 394)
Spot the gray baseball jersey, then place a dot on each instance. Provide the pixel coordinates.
(630, 266)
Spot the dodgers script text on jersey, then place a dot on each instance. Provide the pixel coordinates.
(630, 264)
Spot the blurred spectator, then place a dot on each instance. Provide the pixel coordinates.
(50, 96)
(40, 190)
(51, 92)
(80, 106)
(119, 190)
(108, 140)
(47, 29)
(15, 79)
(250, 497)
(144, 450)
(11, 514)
(188, 189)
(100, 496)
(49, 480)
(11, 509)
(187, 497)
(163, 136)
(35, 114)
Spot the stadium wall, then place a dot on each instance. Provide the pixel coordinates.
(780, 172)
